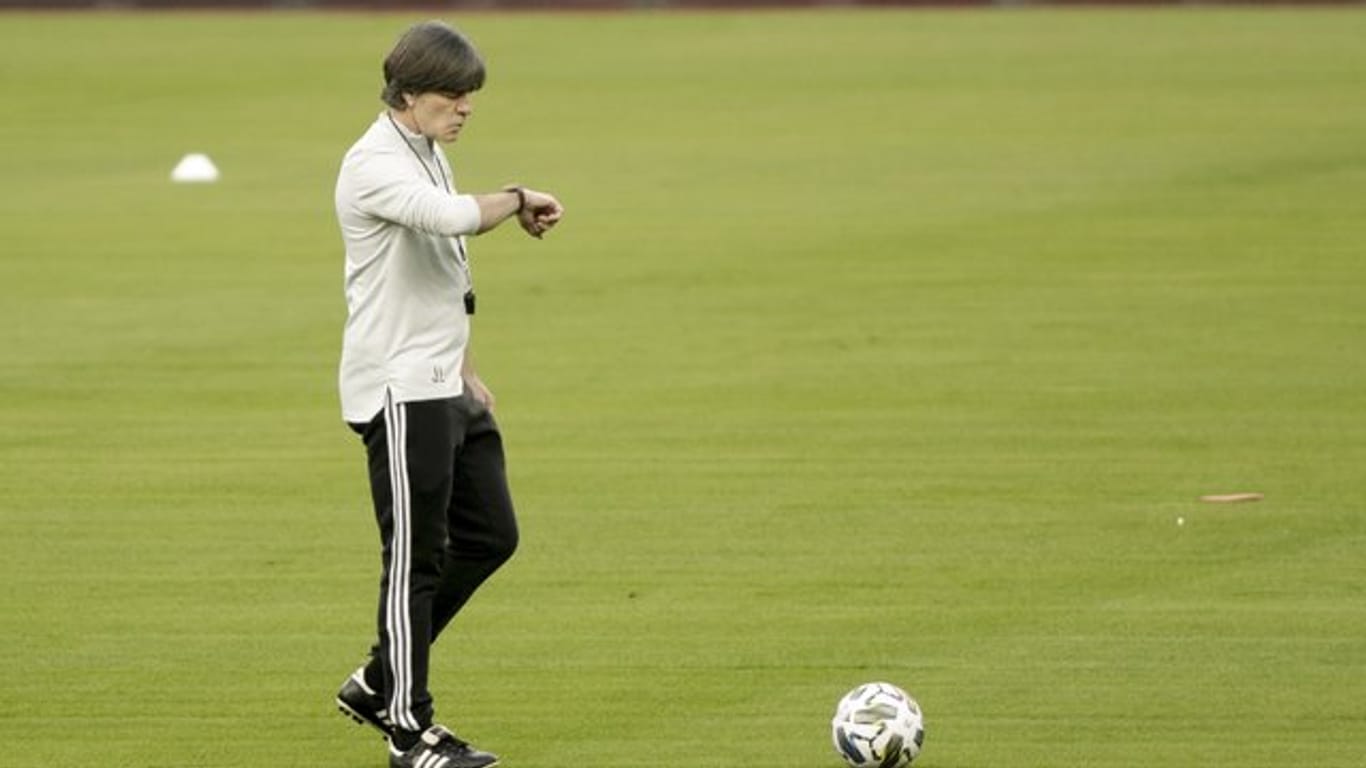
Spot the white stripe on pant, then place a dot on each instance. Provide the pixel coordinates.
(397, 619)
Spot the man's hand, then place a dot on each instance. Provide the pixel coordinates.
(541, 212)
(478, 390)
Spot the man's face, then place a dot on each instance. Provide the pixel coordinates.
(440, 116)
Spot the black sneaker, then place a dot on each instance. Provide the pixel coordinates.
(364, 704)
(439, 748)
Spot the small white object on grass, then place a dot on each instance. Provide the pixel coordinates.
(1231, 498)
(195, 168)
(1180, 521)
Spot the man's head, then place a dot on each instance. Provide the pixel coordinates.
(428, 78)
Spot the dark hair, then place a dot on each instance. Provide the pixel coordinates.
(431, 57)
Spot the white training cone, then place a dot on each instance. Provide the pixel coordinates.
(195, 168)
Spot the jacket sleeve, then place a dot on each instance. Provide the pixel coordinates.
(385, 188)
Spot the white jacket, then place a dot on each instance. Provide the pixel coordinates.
(406, 271)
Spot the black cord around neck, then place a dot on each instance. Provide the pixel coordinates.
(418, 155)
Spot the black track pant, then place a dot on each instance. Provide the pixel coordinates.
(439, 484)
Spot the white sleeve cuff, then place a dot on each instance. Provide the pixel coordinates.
(464, 216)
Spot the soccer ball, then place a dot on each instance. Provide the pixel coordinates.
(878, 725)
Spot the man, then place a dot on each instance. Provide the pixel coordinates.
(409, 386)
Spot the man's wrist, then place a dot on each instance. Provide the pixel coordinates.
(521, 197)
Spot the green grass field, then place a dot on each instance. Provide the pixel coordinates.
(874, 345)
